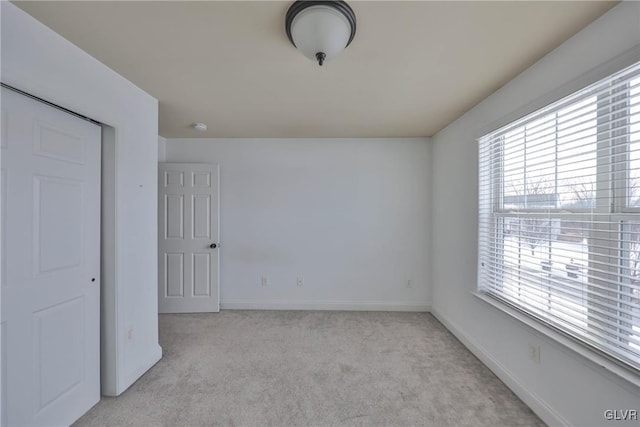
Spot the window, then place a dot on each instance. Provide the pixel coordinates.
(559, 235)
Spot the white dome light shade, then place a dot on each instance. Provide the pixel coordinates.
(320, 29)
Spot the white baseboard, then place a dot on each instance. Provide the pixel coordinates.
(322, 305)
(537, 405)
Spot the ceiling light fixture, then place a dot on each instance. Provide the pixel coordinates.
(201, 127)
(320, 29)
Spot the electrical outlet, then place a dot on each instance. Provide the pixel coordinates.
(534, 353)
(300, 281)
(265, 280)
(409, 283)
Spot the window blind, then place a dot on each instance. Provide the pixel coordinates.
(559, 215)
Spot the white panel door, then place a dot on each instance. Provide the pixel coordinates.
(50, 311)
(188, 240)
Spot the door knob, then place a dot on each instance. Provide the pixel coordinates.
(213, 245)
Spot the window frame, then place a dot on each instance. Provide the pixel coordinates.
(612, 201)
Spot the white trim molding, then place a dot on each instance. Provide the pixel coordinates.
(242, 304)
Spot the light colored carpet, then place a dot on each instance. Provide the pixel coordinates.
(305, 368)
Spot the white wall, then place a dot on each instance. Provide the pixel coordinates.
(38, 61)
(162, 149)
(348, 215)
(564, 388)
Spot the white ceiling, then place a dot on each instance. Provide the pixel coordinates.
(412, 68)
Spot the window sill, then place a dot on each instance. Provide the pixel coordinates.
(570, 343)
